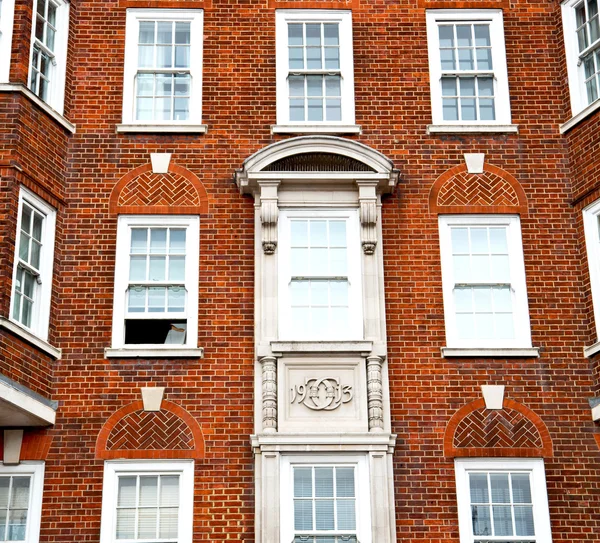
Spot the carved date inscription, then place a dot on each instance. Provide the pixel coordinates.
(323, 394)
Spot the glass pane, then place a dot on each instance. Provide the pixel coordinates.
(344, 482)
(157, 268)
(24, 247)
(137, 268)
(479, 487)
(346, 515)
(299, 292)
(297, 110)
(148, 490)
(296, 58)
(338, 262)
(333, 110)
(500, 269)
(332, 58)
(500, 491)
(502, 520)
(303, 519)
(17, 525)
(182, 56)
(524, 521)
(447, 59)
(147, 31)
(182, 85)
(319, 293)
(339, 321)
(4, 488)
(479, 240)
(302, 482)
(480, 515)
(331, 34)
(139, 240)
(313, 58)
(502, 299)
(463, 300)
(332, 85)
(484, 323)
(126, 494)
(146, 56)
(28, 284)
(462, 269)
(487, 110)
(467, 86)
(147, 523)
(463, 36)
(338, 293)
(35, 254)
(176, 299)
(446, 35)
(318, 233)
(465, 59)
(296, 85)
(145, 84)
(50, 35)
(177, 268)
(137, 300)
(450, 109)
(299, 261)
(485, 86)
(315, 110)
(465, 325)
(17, 306)
(295, 34)
(125, 523)
(177, 241)
(320, 320)
(460, 240)
(521, 488)
(505, 328)
(482, 36)
(2, 522)
(164, 54)
(38, 220)
(300, 319)
(484, 59)
(337, 233)
(318, 262)
(313, 34)
(482, 298)
(164, 85)
(20, 493)
(314, 85)
(467, 110)
(165, 32)
(480, 268)
(324, 515)
(158, 240)
(182, 109)
(449, 86)
(26, 219)
(182, 33)
(156, 299)
(323, 482)
(168, 523)
(144, 109)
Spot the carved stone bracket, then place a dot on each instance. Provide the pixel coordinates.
(367, 198)
(269, 214)
(269, 393)
(375, 393)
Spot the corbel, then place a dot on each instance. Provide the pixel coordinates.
(269, 214)
(367, 200)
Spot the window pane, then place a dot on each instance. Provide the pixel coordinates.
(314, 85)
(126, 496)
(169, 518)
(502, 520)
(505, 328)
(299, 292)
(463, 35)
(323, 482)
(463, 299)
(182, 56)
(4, 488)
(157, 268)
(344, 482)
(462, 269)
(331, 33)
(303, 519)
(524, 521)
(319, 293)
(177, 268)
(446, 35)
(313, 58)
(137, 268)
(302, 482)
(521, 488)
(480, 515)
(465, 59)
(164, 32)
(156, 299)
(176, 299)
(35, 254)
(17, 524)
(482, 298)
(147, 31)
(346, 515)
(296, 58)
(500, 269)
(148, 491)
(125, 523)
(313, 34)
(332, 58)
(295, 34)
(480, 268)
(447, 60)
(465, 325)
(484, 59)
(147, 523)
(315, 110)
(324, 515)
(182, 33)
(338, 293)
(318, 262)
(502, 299)
(479, 487)
(500, 491)
(137, 300)
(177, 240)
(146, 56)
(318, 233)
(299, 261)
(482, 36)
(158, 240)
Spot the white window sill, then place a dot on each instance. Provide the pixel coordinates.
(576, 119)
(18, 87)
(591, 350)
(472, 128)
(304, 347)
(490, 352)
(316, 129)
(154, 352)
(164, 128)
(31, 338)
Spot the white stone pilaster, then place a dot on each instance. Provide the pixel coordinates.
(375, 393)
(269, 393)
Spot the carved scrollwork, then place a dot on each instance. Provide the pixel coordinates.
(322, 394)
(269, 213)
(368, 222)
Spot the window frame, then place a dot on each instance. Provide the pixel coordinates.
(518, 286)
(500, 73)
(344, 18)
(362, 490)
(534, 466)
(355, 309)
(591, 227)
(125, 224)
(7, 14)
(130, 70)
(58, 68)
(43, 291)
(36, 489)
(575, 68)
(115, 469)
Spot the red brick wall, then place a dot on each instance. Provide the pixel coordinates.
(393, 107)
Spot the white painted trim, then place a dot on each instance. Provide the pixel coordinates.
(133, 17)
(58, 71)
(576, 119)
(36, 490)
(324, 442)
(362, 490)
(464, 352)
(580, 108)
(501, 92)
(24, 402)
(40, 316)
(472, 129)
(162, 128)
(147, 352)
(18, 330)
(355, 330)
(316, 129)
(591, 350)
(192, 252)
(535, 467)
(522, 338)
(22, 89)
(344, 18)
(291, 347)
(7, 14)
(591, 228)
(114, 469)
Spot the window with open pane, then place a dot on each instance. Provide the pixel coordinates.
(314, 79)
(163, 80)
(588, 41)
(44, 51)
(467, 82)
(147, 508)
(324, 504)
(14, 507)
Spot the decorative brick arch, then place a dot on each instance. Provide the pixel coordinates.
(143, 192)
(513, 431)
(493, 191)
(132, 432)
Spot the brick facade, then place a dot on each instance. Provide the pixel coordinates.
(208, 414)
